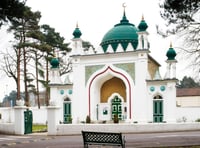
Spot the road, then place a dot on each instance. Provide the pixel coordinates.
(139, 140)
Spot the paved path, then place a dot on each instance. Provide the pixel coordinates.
(139, 140)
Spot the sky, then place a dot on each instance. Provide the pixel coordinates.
(95, 18)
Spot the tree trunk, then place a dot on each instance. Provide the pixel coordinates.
(25, 70)
(37, 85)
(18, 73)
(47, 83)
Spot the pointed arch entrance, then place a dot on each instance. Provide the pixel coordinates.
(110, 71)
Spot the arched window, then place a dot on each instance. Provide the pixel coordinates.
(157, 97)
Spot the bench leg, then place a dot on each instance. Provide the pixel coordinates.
(124, 141)
(85, 145)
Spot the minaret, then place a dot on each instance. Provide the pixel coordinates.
(54, 73)
(171, 63)
(143, 35)
(77, 48)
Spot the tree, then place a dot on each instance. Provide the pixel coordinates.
(10, 100)
(36, 44)
(53, 43)
(187, 82)
(10, 65)
(35, 56)
(21, 26)
(10, 10)
(182, 17)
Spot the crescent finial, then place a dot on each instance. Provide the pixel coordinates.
(124, 5)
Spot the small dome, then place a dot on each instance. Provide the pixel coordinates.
(54, 63)
(143, 25)
(171, 53)
(77, 33)
(123, 33)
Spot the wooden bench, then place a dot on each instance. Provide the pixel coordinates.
(103, 138)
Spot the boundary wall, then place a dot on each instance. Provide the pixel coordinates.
(12, 122)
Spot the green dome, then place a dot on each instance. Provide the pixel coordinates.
(77, 33)
(143, 25)
(123, 33)
(171, 53)
(54, 63)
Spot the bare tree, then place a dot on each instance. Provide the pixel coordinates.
(182, 17)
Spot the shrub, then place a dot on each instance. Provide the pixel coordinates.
(198, 120)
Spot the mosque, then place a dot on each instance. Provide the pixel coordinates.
(120, 78)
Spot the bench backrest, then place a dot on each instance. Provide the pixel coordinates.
(101, 137)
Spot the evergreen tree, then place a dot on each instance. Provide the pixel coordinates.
(21, 27)
(187, 82)
(52, 44)
(11, 10)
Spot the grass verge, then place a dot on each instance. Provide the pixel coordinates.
(39, 128)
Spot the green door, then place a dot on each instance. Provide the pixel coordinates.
(116, 107)
(28, 121)
(158, 111)
(67, 112)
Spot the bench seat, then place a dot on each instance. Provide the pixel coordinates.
(102, 138)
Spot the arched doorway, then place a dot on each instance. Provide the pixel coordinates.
(109, 80)
(157, 109)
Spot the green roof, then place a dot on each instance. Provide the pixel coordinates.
(54, 63)
(171, 54)
(123, 32)
(143, 25)
(77, 33)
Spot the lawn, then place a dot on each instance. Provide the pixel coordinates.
(39, 128)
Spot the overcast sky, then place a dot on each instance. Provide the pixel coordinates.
(95, 18)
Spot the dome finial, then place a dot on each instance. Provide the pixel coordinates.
(170, 44)
(143, 25)
(77, 33)
(124, 5)
(54, 54)
(124, 19)
(142, 16)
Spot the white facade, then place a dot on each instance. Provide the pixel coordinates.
(117, 79)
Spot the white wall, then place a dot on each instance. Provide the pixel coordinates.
(39, 115)
(7, 128)
(68, 129)
(7, 115)
(190, 114)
